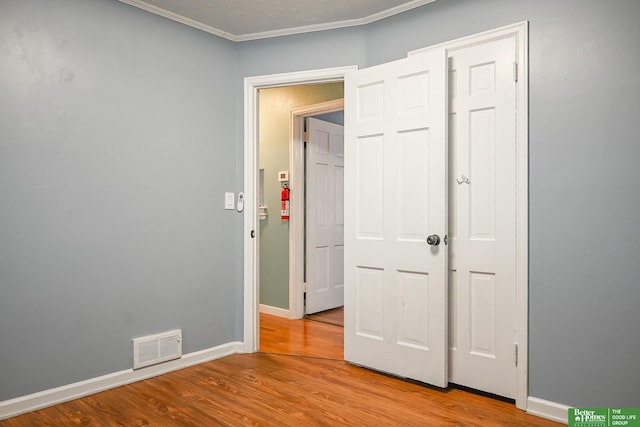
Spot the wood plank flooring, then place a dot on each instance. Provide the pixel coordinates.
(278, 389)
(300, 337)
(333, 317)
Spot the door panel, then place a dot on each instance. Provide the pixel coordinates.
(413, 177)
(483, 314)
(482, 217)
(369, 187)
(369, 302)
(395, 195)
(482, 197)
(413, 320)
(325, 216)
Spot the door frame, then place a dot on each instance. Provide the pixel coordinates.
(297, 179)
(251, 318)
(251, 245)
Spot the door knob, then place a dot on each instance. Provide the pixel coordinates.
(433, 240)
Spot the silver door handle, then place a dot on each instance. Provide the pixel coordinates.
(433, 240)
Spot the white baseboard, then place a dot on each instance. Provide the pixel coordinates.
(20, 405)
(549, 410)
(275, 311)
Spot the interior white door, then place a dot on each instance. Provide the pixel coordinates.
(325, 216)
(395, 196)
(482, 222)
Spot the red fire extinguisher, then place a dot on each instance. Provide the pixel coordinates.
(284, 202)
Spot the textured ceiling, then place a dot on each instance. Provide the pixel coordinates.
(240, 20)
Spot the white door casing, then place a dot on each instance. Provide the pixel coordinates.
(482, 217)
(252, 85)
(325, 216)
(396, 195)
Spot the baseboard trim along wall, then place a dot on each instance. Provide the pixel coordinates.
(21, 405)
(275, 311)
(549, 410)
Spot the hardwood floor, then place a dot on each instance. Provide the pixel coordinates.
(333, 317)
(296, 383)
(300, 337)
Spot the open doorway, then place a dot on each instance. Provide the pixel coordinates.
(283, 112)
(251, 329)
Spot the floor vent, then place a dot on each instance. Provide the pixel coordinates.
(158, 348)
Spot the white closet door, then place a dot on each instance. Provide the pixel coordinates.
(482, 221)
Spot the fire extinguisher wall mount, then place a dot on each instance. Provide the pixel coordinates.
(284, 202)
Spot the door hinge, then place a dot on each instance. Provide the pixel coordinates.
(305, 287)
(515, 72)
(515, 354)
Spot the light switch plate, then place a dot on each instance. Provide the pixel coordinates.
(229, 201)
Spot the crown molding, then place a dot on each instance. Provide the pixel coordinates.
(179, 18)
(276, 33)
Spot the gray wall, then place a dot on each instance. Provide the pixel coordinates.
(584, 198)
(117, 142)
(111, 181)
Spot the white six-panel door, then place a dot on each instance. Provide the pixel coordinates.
(395, 196)
(325, 216)
(482, 215)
